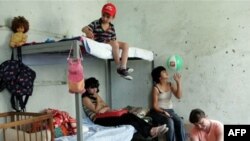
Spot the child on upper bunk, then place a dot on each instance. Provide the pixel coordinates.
(102, 30)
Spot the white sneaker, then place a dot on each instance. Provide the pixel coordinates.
(130, 70)
(124, 73)
(128, 77)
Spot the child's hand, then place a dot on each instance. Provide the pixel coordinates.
(90, 35)
(177, 77)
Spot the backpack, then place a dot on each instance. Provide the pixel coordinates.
(18, 79)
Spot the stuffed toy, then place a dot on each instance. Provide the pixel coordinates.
(20, 27)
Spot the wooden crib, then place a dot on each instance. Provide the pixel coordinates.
(26, 126)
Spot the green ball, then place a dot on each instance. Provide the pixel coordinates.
(175, 62)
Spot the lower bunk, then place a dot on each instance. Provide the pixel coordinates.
(26, 126)
(94, 132)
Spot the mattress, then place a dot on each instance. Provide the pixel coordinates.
(104, 51)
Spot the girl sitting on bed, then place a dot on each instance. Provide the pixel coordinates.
(162, 110)
(93, 104)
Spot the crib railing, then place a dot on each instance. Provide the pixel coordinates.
(26, 126)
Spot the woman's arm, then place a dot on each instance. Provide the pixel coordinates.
(87, 102)
(177, 89)
(99, 107)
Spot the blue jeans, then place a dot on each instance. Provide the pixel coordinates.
(175, 124)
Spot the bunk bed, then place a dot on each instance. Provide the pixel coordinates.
(90, 47)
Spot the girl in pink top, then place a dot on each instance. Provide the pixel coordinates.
(205, 129)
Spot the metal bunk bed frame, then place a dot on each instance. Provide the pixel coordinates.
(60, 47)
(64, 46)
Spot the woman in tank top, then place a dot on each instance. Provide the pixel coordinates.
(162, 110)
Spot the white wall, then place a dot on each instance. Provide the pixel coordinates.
(135, 92)
(212, 37)
(50, 19)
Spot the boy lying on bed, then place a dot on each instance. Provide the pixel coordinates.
(93, 104)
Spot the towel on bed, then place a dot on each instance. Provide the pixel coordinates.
(104, 51)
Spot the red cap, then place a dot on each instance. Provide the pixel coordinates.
(109, 8)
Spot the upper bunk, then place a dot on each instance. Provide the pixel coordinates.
(88, 46)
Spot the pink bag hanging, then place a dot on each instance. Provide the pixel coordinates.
(75, 74)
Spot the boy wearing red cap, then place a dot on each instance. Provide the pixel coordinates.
(102, 30)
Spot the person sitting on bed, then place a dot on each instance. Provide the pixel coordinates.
(93, 104)
(205, 129)
(162, 111)
(102, 30)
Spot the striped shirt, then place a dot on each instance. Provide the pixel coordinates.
(87, 111)
(101, 35)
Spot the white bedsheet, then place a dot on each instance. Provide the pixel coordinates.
(104, 51)
(101, 133)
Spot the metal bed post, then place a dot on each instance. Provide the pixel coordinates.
(78, 100)
(65, 46)
(108, 82)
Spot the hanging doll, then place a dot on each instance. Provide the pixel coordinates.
(19, 26)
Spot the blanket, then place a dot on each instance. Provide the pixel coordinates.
(93, 132)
